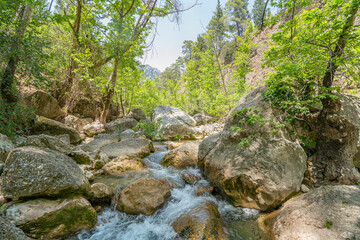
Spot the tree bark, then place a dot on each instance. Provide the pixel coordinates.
(8, 90)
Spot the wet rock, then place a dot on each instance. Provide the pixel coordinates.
(51, 142)
(52, 219)
(190, 178)
(138, 114)
(35, 172)
(329, 212)
(203, 222)
(124, 165)
(101, 193)
(144, 196)
(8, 231)
(120, 125)
(174, 122)
(182, 157)
(50, 127)
(259, 166)
(135, 147)
(5, 147)
(202, 189)
(44, 105)
(100, 141)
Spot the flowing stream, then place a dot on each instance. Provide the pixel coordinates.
(115, 225)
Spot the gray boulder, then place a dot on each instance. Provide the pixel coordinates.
(329, 212)
(254, 164)
(120, 125)
(77, 123)
(100, 141)
(138, 114)
(50, 127)
(131, 134)
(51, 142)
(93, 129)
(182, 157)
(36, 172)
(5, 147)
(8, 231)
(202, 119)
(52, 219)
(136, 147)
(173, 122)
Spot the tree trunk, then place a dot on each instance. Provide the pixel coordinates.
(336, 137)
(8, 90)
(109, 93)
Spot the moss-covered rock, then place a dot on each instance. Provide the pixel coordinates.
(52, 219)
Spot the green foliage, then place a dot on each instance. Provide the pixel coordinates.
(15, 119)
(98, 165)
(192, 137)
(328, 224)
(177, 137)
(149, 129)
(257, 12)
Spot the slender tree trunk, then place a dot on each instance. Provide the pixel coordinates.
(336, 137)
(109, 92)
(8, 90)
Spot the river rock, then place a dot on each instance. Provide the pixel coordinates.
(144, 196)
(328, 212)
(258, 166)
(101, 193)
(36, 172)
(51, 142)
(52, 219)
(173, 122)
(5, 147)
(50, 127)
(120, 125)
(44, 105)
(207, 130)
(190, 178)
(135, 147)
(8, 231)
(138, 114)
(100, 141)
(182, 157)
(124, 165)
(202, 222)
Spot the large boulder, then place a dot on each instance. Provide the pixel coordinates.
(36, 172)
(93, 129)
(86, 108)
(5, 147)
(120, 125)
(137, 114)
(50, 127)
(144, 196)
(329, 212)
(77, 123)
(52, 219)
(174, 122)
(253, 163)
(207, 130)
(182, 157)
(136, 147)
(44, 105)
(202, 119)
(124, 165)
(131, 134)
(202, 222)
(100, 141)
(8, 231)
(51, 142)
(101, 193)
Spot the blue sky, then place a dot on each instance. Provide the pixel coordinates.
(170, 36)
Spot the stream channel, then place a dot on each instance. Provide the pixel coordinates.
(115, 225)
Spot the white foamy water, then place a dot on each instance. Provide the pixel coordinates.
(114, 225)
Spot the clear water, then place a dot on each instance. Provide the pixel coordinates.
(114, 225)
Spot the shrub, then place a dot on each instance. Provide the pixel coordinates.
(149, 129)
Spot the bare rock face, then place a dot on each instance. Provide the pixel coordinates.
(135, 147)
(100, 141)
(51, 142)
(5, 147)
(50, 127)
(101, 193)
(8, 231)
(36, 172)
(52, 219)
(329, 212)
(182, 157)
(45, 105)
(203, 222)
(144, 196)
(258, 166)
(124, 165)
(120, 125)
(174, 122)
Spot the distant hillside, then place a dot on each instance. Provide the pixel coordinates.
(150, 72)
